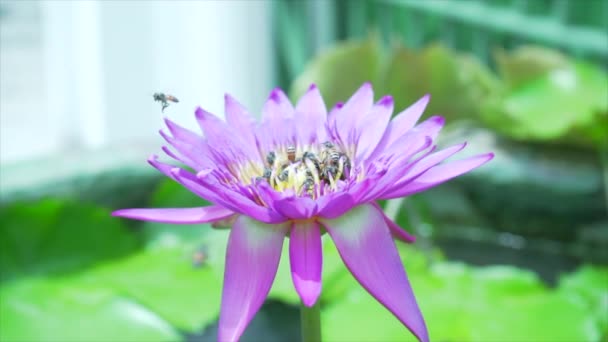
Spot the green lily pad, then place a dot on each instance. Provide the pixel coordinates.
(462, 303)
(184, 292)
(456, 82)
(567, 104)
(68, 309)
(53, 236)
(590, 284)
(527, 62)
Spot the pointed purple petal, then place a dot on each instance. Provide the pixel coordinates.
(277, 120)
(431, 126)
(306, 258)
(222, 138)
(405, 120)
(227, 197)
(312, 113)
(401, 124)
(177, 215)
(373, 127)
(334, 205)
(252, 259)
(368, 250)
(298, 208)
(182, 133)
(239, 118)
(416, 168)
(438, 175)
(195, 155)
(356, 108)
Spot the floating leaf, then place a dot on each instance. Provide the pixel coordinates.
(568, 104)
(69, 309)
(456, 82)
(462, 303)
(527, 62)
(167, 281)
(590, 283)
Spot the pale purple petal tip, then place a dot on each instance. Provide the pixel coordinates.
(312, 87)
(368, 250)
(176, 215)
(386, 101)
(306, 258)
(439, 120)
(276, 95)
(252, 259)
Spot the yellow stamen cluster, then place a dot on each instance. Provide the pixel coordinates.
(305, 170)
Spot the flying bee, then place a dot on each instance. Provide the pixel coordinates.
(164, 99)
(200, 256)
(271, 157)
(291, 153)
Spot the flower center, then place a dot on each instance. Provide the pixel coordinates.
(308, 172)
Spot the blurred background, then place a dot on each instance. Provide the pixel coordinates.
(515, 251)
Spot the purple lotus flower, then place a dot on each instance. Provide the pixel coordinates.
(301, 172)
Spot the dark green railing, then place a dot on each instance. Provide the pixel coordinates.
(577, 27)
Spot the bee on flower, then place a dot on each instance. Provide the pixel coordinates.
(300, 172)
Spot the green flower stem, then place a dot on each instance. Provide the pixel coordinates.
(604, 162)
(310, 322)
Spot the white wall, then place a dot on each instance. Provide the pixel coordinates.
(90, 79)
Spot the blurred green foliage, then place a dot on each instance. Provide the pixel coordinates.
(57, 237)
(537, 94)
(72, 273)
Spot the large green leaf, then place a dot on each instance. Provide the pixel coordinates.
(568, 104)
(70, 309)
(54, 236)
(340, 71)
(456, 82)
(169, 282)
(590, 284)
(526, 63)
(461, 303)
(166, 281)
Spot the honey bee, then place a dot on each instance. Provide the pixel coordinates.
(283, 175)
(329, 154)
(330, 172)
(200, 256)
(291, 153)
(164, 99)
(312, 162)
(271, 157)
(265, 176)
(345, 166)
(308, 184)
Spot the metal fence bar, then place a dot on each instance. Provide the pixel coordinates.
(502, 20)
